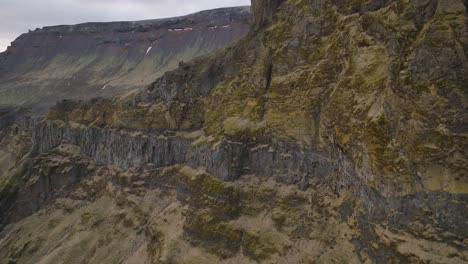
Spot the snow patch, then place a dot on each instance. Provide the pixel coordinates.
(104, 87)
(148, 50)
(226, 26)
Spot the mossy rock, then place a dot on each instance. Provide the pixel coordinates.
(205, 191)
(155, 247)
(11, 186)
(217, 236)
(255, 201)
(259, 247)
(293, 202)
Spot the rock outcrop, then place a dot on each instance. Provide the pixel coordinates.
(264, 11)
(227, 160)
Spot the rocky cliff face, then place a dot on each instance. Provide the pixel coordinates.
(102, 59)
(334, 132)
(264, 12)
(227, 159)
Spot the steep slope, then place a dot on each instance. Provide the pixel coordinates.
(102, 59)
(334, 132)
(15, 138)
(358, 84)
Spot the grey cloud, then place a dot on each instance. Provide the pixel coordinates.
(18, 16)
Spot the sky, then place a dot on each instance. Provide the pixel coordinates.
(18, 16)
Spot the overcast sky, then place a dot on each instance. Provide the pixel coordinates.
(18, 16)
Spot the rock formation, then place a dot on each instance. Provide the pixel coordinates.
(333, 132)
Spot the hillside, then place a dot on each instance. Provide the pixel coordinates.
(333, 132)
(103, 59)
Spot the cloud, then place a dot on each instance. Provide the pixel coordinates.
(18, 16)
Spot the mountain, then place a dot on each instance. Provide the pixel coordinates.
(333, 132)
(104, 59)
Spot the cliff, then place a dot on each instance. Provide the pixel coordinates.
(333, 132)
(104, 59)
(354, 87)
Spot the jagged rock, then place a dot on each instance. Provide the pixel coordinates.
(15, 116)
(263, 12)
(227, 160)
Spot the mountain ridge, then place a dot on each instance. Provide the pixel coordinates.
(104, 59)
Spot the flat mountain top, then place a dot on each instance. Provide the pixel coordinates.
(104, 59)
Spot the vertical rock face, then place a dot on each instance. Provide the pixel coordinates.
(103, 59)
(15, 116)
(227, 161)
(263, 12)
(356, 68)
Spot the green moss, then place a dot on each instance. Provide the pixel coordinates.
(225, 239)
(27, 249)
(156, 245)
(253, 200)
(10, 187)
(354, 5)
(124, 180)
(155, 233)
(302, 5)
(217, 236)
(235, 107)
(280, 30)
(86, 217)
(386, 158)
(292, 202)
(205, 191)
(447, 85)
(241, 129)
(279, 218)
(290, 214)
(258, 247)
(422, 87)
(113, 113)
(378, 131)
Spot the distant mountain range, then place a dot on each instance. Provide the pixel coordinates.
(101, 59)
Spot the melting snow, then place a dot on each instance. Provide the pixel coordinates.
(104, 87)
(226, 26)
(179, 29)
(148, 50)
